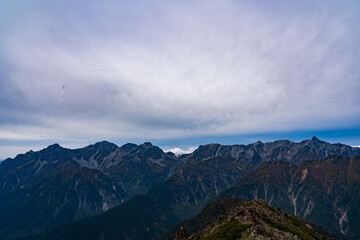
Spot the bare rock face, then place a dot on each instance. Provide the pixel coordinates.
(182, 234)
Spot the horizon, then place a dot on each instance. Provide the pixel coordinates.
(178, 74)
(185, 149)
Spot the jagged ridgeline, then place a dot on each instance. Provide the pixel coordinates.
(106, 189)
(233, 219)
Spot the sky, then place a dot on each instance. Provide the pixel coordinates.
(177, 73)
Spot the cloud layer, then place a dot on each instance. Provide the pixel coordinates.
(178, 151)
(95, 70)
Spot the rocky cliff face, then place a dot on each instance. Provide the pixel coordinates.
(137, 168)
(94, 156)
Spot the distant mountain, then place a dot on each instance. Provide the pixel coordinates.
(135, 168)
(40, 190)
(239, 219)
(213, 168)
(278, 151)
(326, 191)
(138, 168)
(192, 183)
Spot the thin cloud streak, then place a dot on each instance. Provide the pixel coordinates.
(164, 70)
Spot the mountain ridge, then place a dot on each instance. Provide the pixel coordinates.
(66, 185)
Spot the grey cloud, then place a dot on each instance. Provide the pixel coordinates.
(169, 69)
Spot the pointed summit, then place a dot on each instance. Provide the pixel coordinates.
(54, 146)
(147, 145)
(104, 145)
(128, 146)
(257, 143)
(314, 138)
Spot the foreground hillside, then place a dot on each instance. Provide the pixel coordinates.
(233, 219)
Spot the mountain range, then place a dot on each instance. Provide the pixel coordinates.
(140, 192)
(40, 190)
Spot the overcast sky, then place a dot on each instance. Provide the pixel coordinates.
(177, 73)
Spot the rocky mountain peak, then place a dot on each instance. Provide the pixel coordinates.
(54, 146)
(205, 151)
(104, 145)
(314, 138)
(128, 146)
(147, 145)
(182, 234)
(171, 154)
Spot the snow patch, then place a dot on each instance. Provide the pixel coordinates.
(158, 162)
(304, 174)
(342, 220)
(42, 164)
(309, 208)
(105, 207)
(89, 163)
